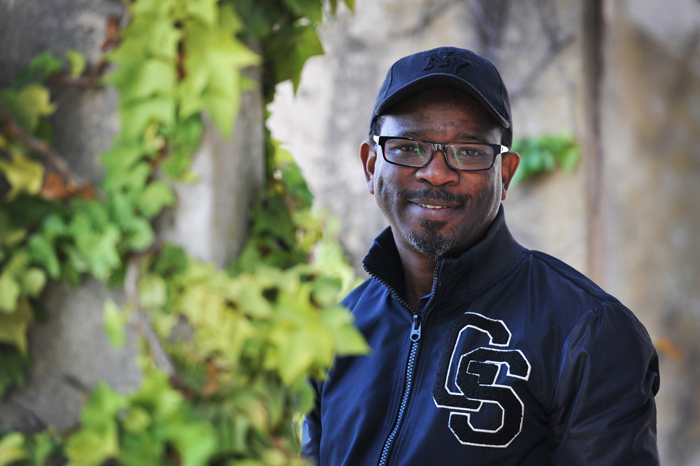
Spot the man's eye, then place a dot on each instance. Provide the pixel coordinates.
(469, 152)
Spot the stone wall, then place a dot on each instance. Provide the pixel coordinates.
(651, 117)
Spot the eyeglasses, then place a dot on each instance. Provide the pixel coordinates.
(463, 156)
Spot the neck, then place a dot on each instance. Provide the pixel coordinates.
(418, 272)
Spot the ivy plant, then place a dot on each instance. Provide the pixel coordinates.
(545, 154)
(234, 380)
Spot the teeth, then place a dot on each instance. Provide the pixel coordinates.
(428, 206)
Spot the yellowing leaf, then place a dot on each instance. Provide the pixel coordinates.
(137, 420)
(29, 104)
(90, 448)
(347, 339)
(23, 174)
(152, 291)
(204, 10)
(33, 282)
(77, 62)
(13, 327)
(12, 449)
(9, 292)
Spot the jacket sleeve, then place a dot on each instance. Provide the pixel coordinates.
(603, 410)
(311, 429)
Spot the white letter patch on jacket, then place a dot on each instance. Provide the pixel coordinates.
(466, 382)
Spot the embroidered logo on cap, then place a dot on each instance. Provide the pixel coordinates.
(447, 60)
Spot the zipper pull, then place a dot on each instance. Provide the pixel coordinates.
(416, 327)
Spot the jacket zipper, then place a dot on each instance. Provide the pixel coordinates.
(416, 327)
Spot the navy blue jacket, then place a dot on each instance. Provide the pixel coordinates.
(514, 359)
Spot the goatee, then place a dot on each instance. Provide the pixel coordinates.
(430, 241)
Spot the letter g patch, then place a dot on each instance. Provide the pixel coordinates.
(474, 382)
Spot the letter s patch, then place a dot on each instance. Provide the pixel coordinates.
(467, 383)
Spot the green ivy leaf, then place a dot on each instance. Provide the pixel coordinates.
(42, 252)
(10, 235)
(141, 234)
(137, 115)
(544, 154)
(195, 441)
(289, 48)
(121, 157)
(102, 406)
(172, 260)
(77, 62)
(41, 67)
(114, 322)
(46, 63)
(13, 368)
(312, 9)
(149, 78)
(212, 80)
(154, 198)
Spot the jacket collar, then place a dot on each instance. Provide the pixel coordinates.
(470, 273)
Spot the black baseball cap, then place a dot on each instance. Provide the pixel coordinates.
(446, 67)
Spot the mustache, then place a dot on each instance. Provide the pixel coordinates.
(435, 194)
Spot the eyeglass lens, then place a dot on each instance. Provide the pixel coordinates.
(461, 156)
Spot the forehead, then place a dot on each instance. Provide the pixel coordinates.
(441, 113)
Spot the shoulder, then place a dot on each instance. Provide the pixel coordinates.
(574, 304)
(563, 279)
(595, 317)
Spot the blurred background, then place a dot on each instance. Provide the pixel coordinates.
(645, 245)
(621, 77)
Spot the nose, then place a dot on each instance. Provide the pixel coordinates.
(437, 172)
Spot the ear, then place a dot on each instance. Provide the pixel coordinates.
(509, 165)
(369, 158)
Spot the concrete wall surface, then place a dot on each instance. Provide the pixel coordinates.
(651, 117)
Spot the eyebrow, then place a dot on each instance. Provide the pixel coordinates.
(420, 135)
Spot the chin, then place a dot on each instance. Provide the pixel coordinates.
(430, 241)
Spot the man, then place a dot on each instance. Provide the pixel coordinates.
(483, 352)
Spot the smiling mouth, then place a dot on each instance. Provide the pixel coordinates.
(436, 207)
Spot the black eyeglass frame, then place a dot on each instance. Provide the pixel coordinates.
(436, 146)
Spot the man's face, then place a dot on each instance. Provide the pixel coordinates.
(435, 210)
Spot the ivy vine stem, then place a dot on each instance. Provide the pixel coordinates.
(142, 322)
(41, 148)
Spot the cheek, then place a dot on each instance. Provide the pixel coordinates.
(378, 185)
